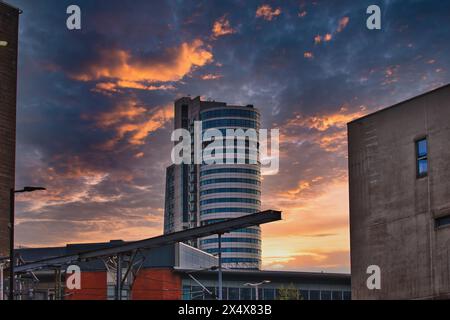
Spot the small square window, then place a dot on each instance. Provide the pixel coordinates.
(442, 221)
(422, 157)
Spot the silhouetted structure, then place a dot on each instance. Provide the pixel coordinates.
(9, 21)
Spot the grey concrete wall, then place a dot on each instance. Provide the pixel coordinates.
(8, 84)
(392, 212)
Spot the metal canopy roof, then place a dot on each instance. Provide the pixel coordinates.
(181, 236)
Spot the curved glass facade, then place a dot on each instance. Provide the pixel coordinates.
(228, 210)
(238, 123)
(236, 240)
(230, 180)
(230, 200)
(229, 170)
(225, 113)
(230, 191)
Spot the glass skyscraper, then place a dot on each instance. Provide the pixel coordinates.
(199, 194)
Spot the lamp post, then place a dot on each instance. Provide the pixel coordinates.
(256, 285)
(11, 234)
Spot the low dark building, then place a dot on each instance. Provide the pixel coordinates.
(173, 272)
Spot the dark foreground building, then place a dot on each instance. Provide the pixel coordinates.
(174, 272)
(399, 174)
(9, 20)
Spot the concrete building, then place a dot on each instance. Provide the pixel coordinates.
(199, 194)
(399, 174)
(174, 272)
(9, 21)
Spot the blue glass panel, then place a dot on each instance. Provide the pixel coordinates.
(422, 148)
(423, 167)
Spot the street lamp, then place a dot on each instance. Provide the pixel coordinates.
(256, 285)
(3, 43)
(11, 234)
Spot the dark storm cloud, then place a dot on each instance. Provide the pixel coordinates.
(126, 63)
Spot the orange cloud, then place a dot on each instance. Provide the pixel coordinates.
(112, 87)
(390, 75)
(132, 72)
(327, 130)
(129, 111)
(343, 23)
(222, 27)
(267, 13)
(141, 130)
(211, 76)
(134, 122)
(308, 55)
(326, 121)
(327, 37)
(68, 180)
(318, 39)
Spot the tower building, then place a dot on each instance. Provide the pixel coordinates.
(199, 194)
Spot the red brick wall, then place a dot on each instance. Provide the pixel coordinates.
(157, 284)
(93, 287)
(8, 86)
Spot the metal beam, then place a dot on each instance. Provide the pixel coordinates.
(181, 236)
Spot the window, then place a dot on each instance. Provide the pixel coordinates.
(230, 180)
(212, 295)
(222, 113)
(325, 295)
(245, 240)
(347, 295)
(231, 190)
(246, 294)
(303, 294)
(228, 210)
(228, 200)
(240, 260)
(197, 293)
(269, 294)
(336, 295)
(240, 250)
(230, 123)
(186, 293)
(314, 295)
(443, 221)
(229, 170)
(422, 157)
(233, 294)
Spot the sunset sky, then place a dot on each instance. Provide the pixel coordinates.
(95, 107)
